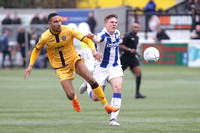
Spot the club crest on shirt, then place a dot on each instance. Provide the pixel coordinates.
(63, 38)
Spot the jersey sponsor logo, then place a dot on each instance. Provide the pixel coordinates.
(59, 47)
(51, 40)
(114, 44)
(63, 38)
(132, 38)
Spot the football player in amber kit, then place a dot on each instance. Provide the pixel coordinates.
(64, 59)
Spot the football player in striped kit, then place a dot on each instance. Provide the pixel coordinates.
(109, 68)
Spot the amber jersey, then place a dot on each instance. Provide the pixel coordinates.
(60, 47)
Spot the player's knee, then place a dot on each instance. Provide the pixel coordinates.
(138, 74)
(117, 89)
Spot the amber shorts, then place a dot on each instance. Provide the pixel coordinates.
(67, 71)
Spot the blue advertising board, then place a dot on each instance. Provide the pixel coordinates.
(194, 54)
(74, 16)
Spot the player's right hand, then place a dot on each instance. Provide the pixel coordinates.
(97, 55)
(28, 71)
(90, 35)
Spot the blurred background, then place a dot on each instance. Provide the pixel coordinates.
(173, 27)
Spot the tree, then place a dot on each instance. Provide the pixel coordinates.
(38, 3)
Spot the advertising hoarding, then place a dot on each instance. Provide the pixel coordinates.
(194, 54)
(170, 54)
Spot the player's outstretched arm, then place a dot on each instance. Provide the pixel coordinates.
(90, 35)
(89, 42)
(34, 56)
(93, 37)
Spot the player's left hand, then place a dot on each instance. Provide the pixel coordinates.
(97, 55)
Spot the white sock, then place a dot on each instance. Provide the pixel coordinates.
(89, 90)
(116, 101)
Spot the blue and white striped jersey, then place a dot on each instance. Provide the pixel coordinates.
(109, 48)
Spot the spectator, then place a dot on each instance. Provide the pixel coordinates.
(21, 43)
(34, 39)
(36, 19)
(150, 7)
(42, 60)
(161, 34)
(189, 7)
(16, 19)
(197, 17)
(5, 48)
(161, 11)
(7, 19)
(149, 10)
(196, 4)
(44, 19)
(196, 33)
(91, 21)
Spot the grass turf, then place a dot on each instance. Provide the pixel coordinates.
(38, 104)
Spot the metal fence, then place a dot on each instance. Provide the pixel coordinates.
(31, 35)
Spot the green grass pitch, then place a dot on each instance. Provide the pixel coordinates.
(39, 105)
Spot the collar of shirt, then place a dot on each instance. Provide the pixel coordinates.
(55, 33)
(105, 30)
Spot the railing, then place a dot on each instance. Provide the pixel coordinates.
(31, 34)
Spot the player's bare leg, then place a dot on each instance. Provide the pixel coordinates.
(69, 90)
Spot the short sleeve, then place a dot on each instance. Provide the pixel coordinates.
(77, 34)
(125, 39)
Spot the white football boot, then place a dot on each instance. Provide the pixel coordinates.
(83, 88)
(113, 122)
